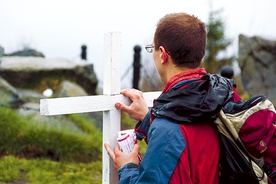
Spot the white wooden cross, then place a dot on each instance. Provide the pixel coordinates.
(105, 102)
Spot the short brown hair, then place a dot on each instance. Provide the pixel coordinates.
(184, 38)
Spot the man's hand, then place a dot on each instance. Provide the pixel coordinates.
(119, 158)
(138, 108)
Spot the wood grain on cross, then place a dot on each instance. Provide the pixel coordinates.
(105, 102)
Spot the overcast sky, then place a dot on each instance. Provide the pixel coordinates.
(58, 28)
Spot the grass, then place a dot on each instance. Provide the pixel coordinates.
(57, 149)
(43, 171)
(60, 149)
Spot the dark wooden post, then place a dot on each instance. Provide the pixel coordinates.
(136, 66)
(227, 71)
(83, 52)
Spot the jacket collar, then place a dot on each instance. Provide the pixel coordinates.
(192, 74)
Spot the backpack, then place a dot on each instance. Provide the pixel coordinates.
(247, 131)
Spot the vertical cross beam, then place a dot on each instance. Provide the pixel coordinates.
(111, 86)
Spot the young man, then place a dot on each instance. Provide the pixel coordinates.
(183, 144)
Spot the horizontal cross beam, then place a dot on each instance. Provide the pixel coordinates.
(83, 104)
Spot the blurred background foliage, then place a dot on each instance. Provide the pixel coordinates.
(216, 43)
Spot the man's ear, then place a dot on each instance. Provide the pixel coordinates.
(164, 54)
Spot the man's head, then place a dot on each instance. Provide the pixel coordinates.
(183, 37)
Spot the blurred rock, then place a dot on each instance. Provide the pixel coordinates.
(68, 89)
(9, 96)
(257, 60)
(30, 109)
(30, 96)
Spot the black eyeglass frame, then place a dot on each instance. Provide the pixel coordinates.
(150, 48)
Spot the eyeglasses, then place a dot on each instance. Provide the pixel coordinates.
(150, 48)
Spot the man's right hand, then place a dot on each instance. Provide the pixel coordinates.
(120, 158)
(138, 107)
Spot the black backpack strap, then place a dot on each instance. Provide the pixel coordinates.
(268, 168)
